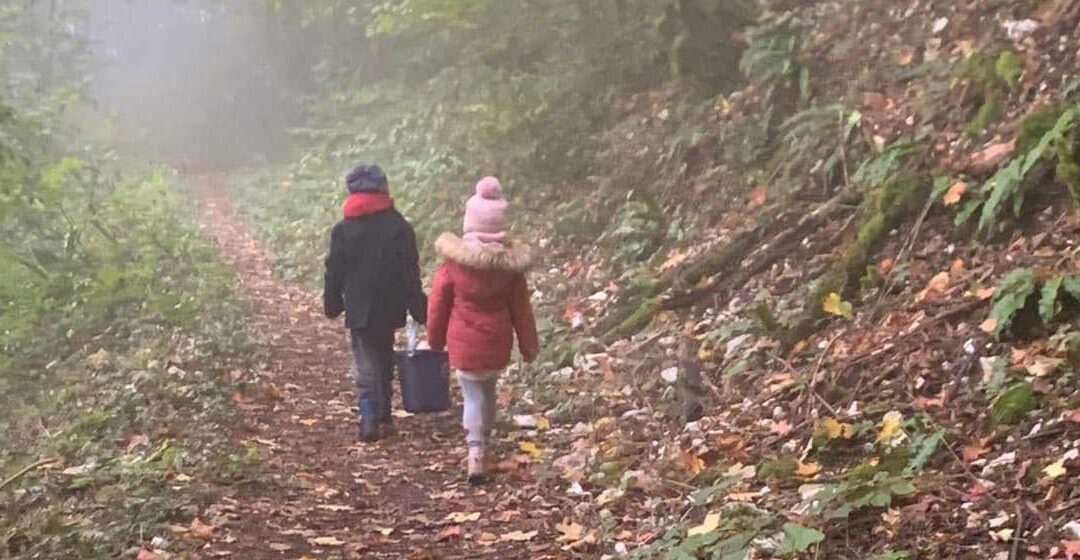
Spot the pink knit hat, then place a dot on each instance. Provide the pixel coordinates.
(485, 213)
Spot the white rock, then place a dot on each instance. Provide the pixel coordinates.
(939, 25)
(599, 297)
(670, 374)
(1073, 528)
(525, 421)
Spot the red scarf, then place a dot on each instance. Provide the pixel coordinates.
(364, 203)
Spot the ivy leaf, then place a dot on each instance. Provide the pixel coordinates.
(1049, 306)
(798, 538)
(1011, 296)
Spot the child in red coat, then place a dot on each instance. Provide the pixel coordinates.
(478, 301)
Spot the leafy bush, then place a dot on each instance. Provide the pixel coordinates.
(1019, 286)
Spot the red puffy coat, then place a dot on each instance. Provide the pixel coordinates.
(478, 301)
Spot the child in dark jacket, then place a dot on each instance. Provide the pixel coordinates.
(479, 300)
(373, 276)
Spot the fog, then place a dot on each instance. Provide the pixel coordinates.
(193, 81)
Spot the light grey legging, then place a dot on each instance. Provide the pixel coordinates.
(478, 416)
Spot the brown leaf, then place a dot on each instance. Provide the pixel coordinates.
(1071, 549)
(807, 470)
(325, 541)
(690, 462)
(972, 451)
(991, 157)
(986, 293)
(955, 193)
(875, 101)
(201, 530)
(519, 536)
(989, 325)
(781, 428)
(450, 532)
(758, 196)
(1073, 416)
(937, 286)
(144, 554)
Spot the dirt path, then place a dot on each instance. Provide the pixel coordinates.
(321, 493)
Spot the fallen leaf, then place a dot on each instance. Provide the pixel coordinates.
(1071, 549)
(807, 470)
(833, 305)
(989, 326)
(758, 196)
(1074, 416)
(955, 193)
(972, 451)
(985, 293)
(201, 530)
(144, 554)
(991, 157)
(890, 427)
(571, 532)
(309, 422)
(519, 536)
(711, 522)
(462, 517)
(834, 429)
(781, 428)
(530, 448)
(451, 532)
(1055, 469)
(875, 101)
(937, 286)
(279, 547)
(690, 462)
(326, 541)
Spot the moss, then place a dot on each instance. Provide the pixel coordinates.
(1035, 125)
(1067, 170)
(639, 319)
(891, 204)
(989, 113)
(781, 468)
(1008, 68)
(1013, 404)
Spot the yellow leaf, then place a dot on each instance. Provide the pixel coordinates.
(691, 462)
(711, 522)
(461, 517)
(1055, 470)
(807, 469)
(955, 193)
(834, 429)
(542, 423)
(530, 448)
(833, 305)
(326, 541)
(890, 427)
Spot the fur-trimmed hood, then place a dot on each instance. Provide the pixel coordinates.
(514, 257)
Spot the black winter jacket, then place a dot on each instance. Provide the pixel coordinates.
(373, 272)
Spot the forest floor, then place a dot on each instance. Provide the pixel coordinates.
(320, 492)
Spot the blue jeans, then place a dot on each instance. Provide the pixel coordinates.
(373, 368)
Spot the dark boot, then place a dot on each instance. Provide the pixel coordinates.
(369, 421)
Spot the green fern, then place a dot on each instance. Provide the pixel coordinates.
(1017, 288)
(1007, 185)
(771, 55)
(876, 171)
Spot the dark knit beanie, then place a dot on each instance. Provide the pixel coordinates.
(366, 178)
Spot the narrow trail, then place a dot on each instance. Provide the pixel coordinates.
(319, 492)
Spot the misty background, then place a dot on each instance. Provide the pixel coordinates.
(196, 81)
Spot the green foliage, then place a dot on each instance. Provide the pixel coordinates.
(1017, 288)
(876, 171)
(798, 538)
(1007, 185)
(772, 55)
(1013, 404)
(821, 139)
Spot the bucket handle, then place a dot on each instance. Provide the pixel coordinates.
(411, 336)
